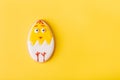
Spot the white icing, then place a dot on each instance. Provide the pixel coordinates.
(44, 47)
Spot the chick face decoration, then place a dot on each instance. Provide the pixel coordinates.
(40, 41)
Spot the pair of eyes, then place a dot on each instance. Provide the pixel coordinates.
(38, 30)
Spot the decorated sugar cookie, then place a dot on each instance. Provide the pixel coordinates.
(40, 41)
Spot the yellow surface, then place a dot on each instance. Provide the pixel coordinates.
(87, 34)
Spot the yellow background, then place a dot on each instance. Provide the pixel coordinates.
(87, 34)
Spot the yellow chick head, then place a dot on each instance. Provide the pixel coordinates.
(40, 32)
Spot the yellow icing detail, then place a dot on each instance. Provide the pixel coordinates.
(36, 36)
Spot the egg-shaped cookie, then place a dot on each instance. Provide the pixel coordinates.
(40, 41)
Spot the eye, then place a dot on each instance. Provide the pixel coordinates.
(42, 30)
(36, 30)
